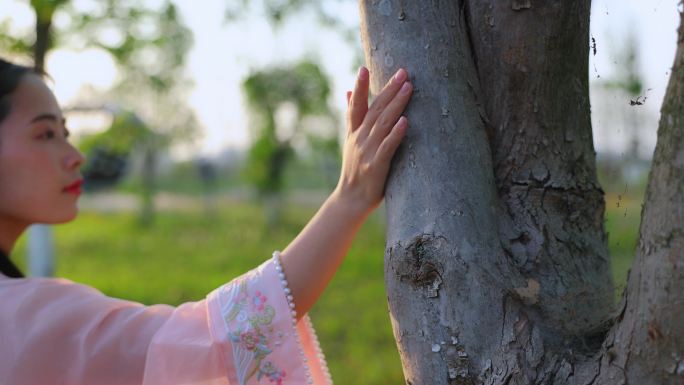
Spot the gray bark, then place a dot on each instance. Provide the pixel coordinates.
(497, 268)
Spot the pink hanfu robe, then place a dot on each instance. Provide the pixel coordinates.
(54, 331)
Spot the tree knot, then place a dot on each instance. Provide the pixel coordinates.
(420, 267)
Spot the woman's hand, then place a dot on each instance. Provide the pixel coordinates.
(373, 135)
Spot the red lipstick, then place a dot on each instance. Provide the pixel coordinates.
(74, 188)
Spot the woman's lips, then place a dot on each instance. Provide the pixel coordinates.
(74, 188)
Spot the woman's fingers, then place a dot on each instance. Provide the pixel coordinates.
(388, 117)
(391, 142)
(359, 100)
(384, 98)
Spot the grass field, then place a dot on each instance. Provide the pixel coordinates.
(185, 255)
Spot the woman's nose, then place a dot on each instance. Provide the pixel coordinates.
(73, 159)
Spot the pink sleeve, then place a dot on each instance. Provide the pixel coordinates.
(57, 332)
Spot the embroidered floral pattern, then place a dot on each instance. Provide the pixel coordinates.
(272, 372)
(251, 317)
(261, 343)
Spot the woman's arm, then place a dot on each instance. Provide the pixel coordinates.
(373, 135)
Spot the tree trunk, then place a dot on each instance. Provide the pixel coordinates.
(149, 185)
(43, 42)
(497, 267)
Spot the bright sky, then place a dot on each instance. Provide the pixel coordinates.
(223, 55)
(654, 25)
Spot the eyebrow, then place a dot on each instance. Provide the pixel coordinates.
(50, 117)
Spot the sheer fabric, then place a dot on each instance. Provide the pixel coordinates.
(54, 331)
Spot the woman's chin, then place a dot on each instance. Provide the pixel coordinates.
(61, 218)
(71, 216)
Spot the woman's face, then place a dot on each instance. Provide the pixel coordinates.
(39, 169)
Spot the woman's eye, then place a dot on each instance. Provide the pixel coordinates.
(47, 134)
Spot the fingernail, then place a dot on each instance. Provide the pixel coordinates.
(363, 72)
(400, 76)
(405, 88)
(402, 124)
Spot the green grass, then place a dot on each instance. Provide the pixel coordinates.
(185, 255)
(623, 215)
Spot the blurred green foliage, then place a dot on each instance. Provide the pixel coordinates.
(266, 163)
(628, 74)
(148, 43)
(305, 89)
(304, 84)
(125, 132)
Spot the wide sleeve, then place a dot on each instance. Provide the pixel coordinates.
(54, 331)
(254, 318)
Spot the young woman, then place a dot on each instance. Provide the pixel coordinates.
(252, 330)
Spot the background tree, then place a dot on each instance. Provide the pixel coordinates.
(304, 89)
(497, 269)
(628, 81)
(109, 153)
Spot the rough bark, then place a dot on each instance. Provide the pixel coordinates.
(497, 269)
(532, 60)
(443, 258)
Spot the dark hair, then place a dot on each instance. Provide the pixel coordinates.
(10, 75)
